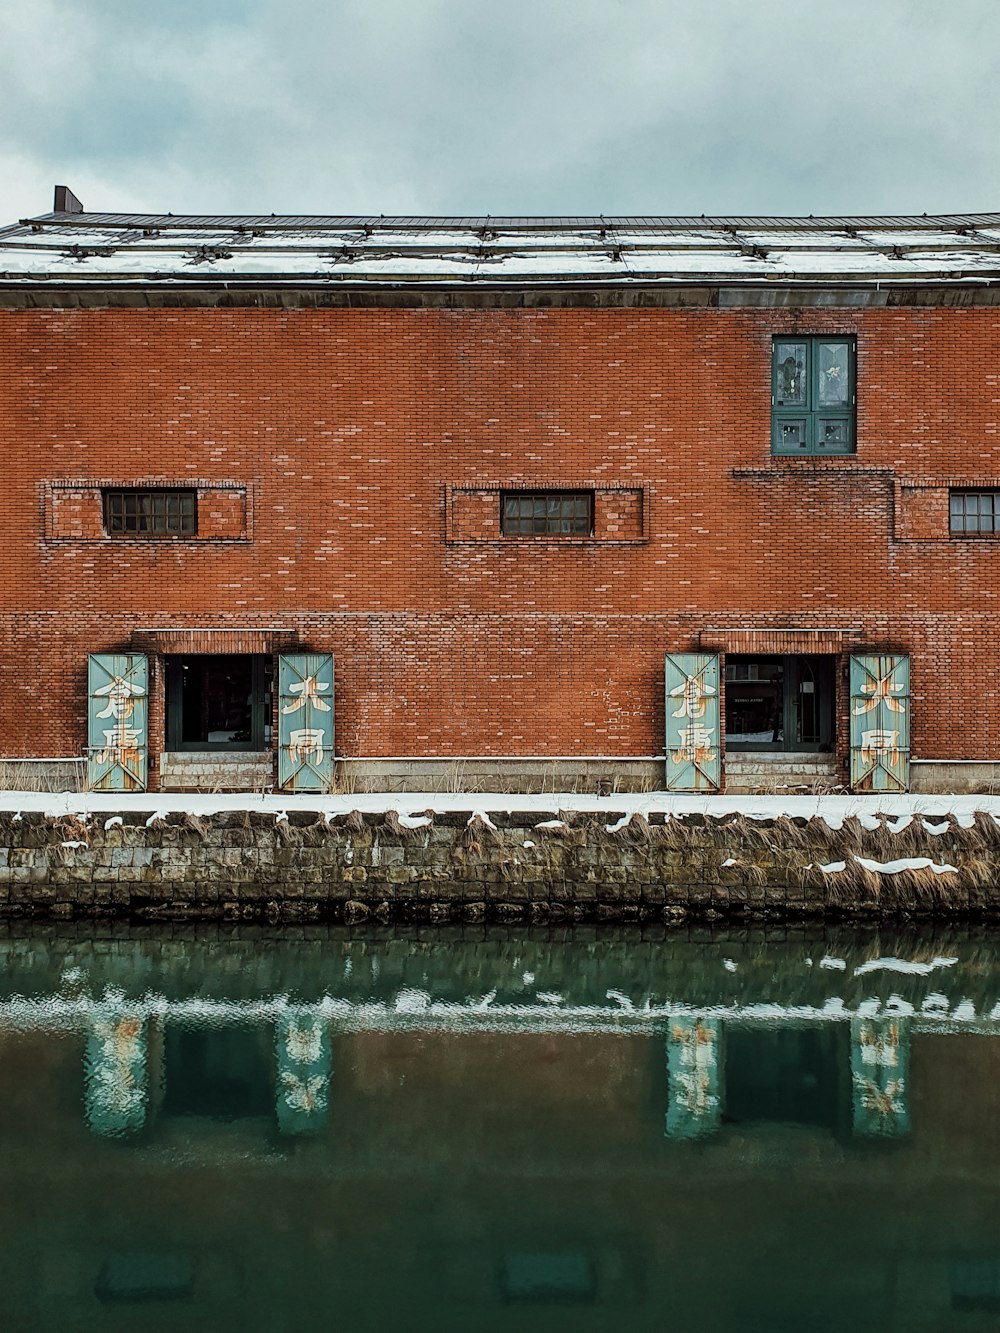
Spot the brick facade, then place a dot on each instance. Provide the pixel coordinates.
(349, 463)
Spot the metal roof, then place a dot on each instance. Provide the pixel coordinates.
(400, 222)
(102, 249)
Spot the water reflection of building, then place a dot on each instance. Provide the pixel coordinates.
(468, 1162)
(494, 1149)
(842, 1072)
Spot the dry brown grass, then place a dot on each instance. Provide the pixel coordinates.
(391, 824)
(194, 823)
(28, 775)
(69, 828)
(354, 822)
(476, 835)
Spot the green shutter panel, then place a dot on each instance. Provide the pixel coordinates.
(303, 1051)
(305, 721)
(117, 721)
(880, 722)
(694, 1077)
(692, 730)
(880, 1058)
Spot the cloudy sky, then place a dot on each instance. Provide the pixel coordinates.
(501, 106)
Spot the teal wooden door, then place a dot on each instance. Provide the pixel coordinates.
(117, 721)
(880, 722)
(692, 717)
(305, 721)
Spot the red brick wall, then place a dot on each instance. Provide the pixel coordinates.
(347, 427)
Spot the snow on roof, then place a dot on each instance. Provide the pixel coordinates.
(102, 248)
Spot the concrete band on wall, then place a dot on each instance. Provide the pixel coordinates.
(466, 867)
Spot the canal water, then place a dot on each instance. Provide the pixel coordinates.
(444, 1130)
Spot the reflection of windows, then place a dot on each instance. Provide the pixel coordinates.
(547, 513)
(812, 396)
(975, 1285)
(548, 1276)
(225, 1073)
(754, 670)
(974, 512)
(788, 1075)
(150, 513)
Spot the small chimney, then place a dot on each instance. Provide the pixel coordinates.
(66, 201)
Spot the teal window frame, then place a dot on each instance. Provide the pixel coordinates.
(812, 418)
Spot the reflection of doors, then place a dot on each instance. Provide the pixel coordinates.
(780, 703)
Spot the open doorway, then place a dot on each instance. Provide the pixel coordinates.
(780, 703)
(218, 702)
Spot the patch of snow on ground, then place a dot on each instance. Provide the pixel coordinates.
(625, 820)
(832, 809)
(730, 861)
(551, 823)
(832, 867)
(936, 829)
(833, 964)
(112, 822)
(481, 814)
(414, 821)
(897, 825)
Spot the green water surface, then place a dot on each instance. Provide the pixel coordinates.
(498, 1130)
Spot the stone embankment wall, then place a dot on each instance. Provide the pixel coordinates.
(518, 867)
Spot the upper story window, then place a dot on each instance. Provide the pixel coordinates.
(150, 513)
(974, 512)
(547, 513)
(813, 396)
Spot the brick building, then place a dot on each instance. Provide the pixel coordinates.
(678, 501)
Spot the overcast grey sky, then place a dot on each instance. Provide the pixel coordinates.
(501, 106)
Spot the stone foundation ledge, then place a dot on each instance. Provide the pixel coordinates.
(512, 866)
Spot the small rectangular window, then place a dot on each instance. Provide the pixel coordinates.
(813, 396)
(974, 512)
(150, 513)
(547, 513)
